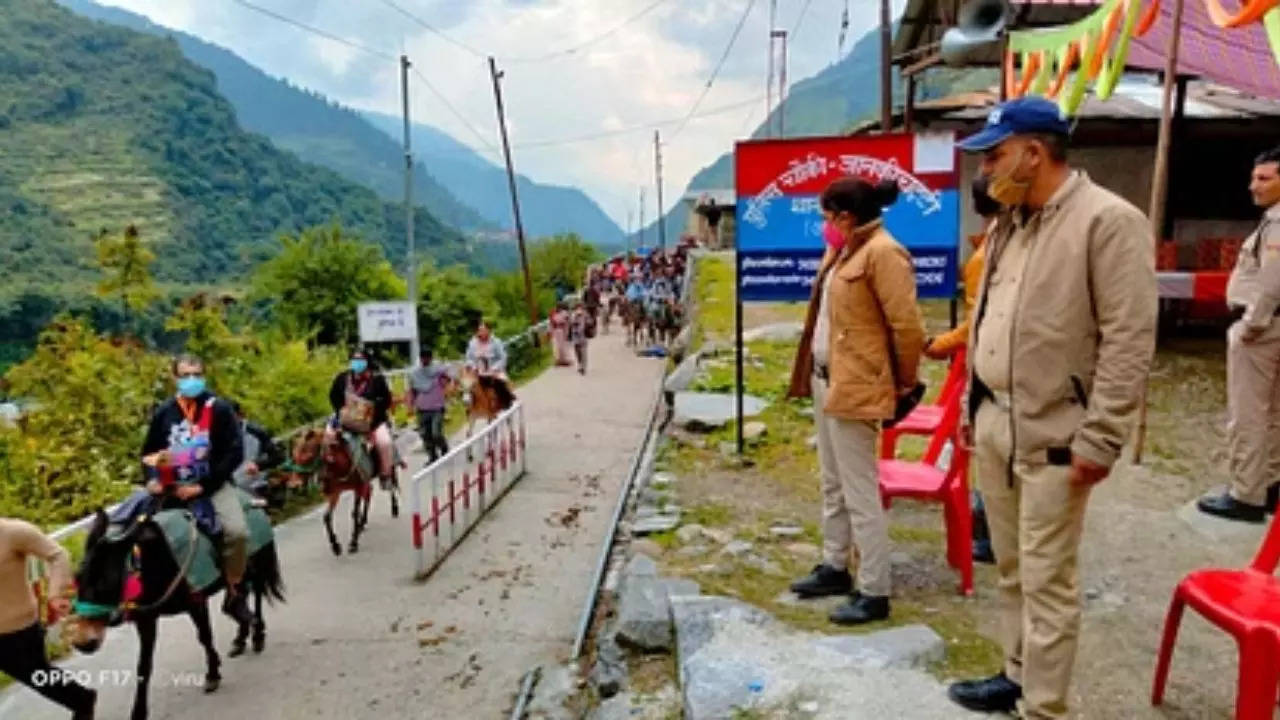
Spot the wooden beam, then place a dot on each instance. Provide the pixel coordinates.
(1160, 181)
(909, 110)
(920, 66)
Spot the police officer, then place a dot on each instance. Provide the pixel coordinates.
(1061, 344)
(1253, 360)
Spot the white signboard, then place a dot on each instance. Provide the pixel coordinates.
(387, 321)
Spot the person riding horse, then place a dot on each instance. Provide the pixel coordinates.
(194, 441)
(361, 401)
(486, 354)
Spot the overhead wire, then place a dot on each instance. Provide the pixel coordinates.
(636, 127)
(588, 43)
(432, 28)
(314, 30)
(489, 146)
(795, 30)
(716, 71)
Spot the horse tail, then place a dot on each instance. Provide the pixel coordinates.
(267, 579)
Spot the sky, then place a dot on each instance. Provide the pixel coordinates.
(653, 69)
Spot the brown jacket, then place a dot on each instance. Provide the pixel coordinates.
(876, 331)
(1084, 328)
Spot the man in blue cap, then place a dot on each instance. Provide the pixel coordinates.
(1062, 339)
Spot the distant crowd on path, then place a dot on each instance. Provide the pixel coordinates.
(642, 291)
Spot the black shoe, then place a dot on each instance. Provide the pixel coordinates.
(824, 580)
(1273, 498)
(235, 607)
(1225, 506)
(994, 694)
(982, 552)
(86, 712)
(861, 609)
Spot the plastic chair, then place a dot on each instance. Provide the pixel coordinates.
(923, 480)
(925, 419)
(1246, 604)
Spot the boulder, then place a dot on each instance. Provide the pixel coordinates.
(644, 612)
(754, 430)
(737, 548)
(734, 656)
(690, 533)
(709, 411)
(682, 377)
(783, 332)
(553, 690)
(655, 523)
(609, 674)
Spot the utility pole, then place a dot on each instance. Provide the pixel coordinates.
(640, 239)
(412, 268)
(768, 83)
(627, 237)
(657, 173)
(515, 200)
(781, 36)
(886, 65)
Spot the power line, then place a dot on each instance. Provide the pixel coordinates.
(433, 29)
(716, 72)
(588, 43)
(633, 128)
(314, 30)
(456, 114)
(795, 29)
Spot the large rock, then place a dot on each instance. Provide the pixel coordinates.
(654, 524)
(754, 430)
(708, 411)
(644, 611)
(683, 375)
(553, 690)
(609, 674)
(734, 656)
(783, 332)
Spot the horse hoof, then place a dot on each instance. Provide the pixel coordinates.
(336, 548)
(237, 649)
(211, 685)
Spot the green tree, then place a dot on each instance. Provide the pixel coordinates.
(319, 277)
(451, 301)
(126, 270)
(559, 263)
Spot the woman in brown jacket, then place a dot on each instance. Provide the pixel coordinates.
(859, 353)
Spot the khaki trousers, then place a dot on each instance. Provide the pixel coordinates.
(1036, 517)
(235, 531)
(852, 516)
(1253, 412)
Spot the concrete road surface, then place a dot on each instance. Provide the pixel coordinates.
(358, 639)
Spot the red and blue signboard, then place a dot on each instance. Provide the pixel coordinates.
(779, 222)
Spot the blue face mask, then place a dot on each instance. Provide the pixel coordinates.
(359, 365)
(190, 386)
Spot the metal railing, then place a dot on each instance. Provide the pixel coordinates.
(448, 497)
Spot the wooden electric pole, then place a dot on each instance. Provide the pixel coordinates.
(886, 65)
(657, 173)
(411, 270)
(640, 240)
(515, 199)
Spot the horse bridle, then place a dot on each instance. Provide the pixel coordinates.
(93, 610)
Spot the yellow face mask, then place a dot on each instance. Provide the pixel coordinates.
(1006, 189)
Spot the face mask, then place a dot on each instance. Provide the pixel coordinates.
(359, 365)
(190, 387)
(832, 236)
(1006, 189)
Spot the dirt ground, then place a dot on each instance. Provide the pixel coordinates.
(1136, 547)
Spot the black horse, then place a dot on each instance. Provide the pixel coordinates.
(100, 602)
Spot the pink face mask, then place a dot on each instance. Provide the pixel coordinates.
(832, 236)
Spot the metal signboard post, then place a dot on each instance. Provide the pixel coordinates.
(779, 221)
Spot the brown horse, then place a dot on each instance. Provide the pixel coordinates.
(485, 397)
(338, 473)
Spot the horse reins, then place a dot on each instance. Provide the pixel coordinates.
(192, 542)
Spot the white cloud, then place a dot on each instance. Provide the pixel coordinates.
(651, 70)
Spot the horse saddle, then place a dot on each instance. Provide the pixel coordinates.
(200, 551)
(363, 460)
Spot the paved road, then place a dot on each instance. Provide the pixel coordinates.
(358, 639)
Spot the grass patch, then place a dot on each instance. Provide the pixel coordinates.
(709, 515)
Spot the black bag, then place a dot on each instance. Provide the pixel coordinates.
(906, 404)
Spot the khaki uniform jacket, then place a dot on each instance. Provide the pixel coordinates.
(1084, 325)
(876, 331)
(1255, 281)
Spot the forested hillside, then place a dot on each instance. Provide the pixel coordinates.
(102, 127)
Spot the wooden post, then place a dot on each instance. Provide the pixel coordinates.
(1160, 182)
(909, 110)
(411, 267)
(515, 199)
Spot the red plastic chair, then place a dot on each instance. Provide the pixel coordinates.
(925, 419)
(923, 480)
(1246, 604)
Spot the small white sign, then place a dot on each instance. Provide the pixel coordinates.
(387, 321)
(935, 152)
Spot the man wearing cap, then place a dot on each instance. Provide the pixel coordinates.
(1253, 360)
(1062, 340)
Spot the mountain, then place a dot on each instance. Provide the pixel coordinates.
(840, 96)
(481, 184)
(304, 122)
(101, 127)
